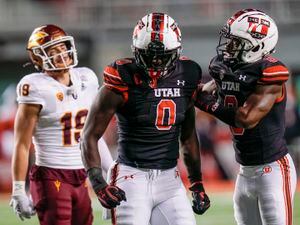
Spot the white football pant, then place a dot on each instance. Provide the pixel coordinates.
(264, 194)
(155, 197)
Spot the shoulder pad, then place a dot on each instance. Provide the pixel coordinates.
(273, 71)
(115, 76)
(28, 90)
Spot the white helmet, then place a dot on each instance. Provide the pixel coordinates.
(156, 44)
(249, 34)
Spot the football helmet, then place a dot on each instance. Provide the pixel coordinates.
(156, 44)
(44, 37)
(248, 36)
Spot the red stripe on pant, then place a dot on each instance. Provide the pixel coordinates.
(114, 175)
(285, 171)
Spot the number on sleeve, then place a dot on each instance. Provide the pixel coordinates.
(231, 101)
(25, 90)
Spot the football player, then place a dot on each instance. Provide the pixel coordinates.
(53, 105)
(151, 95)
(250, 96)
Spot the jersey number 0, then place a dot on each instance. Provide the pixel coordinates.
(165, 114)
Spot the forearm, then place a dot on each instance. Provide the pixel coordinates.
(89, 151)
(19, 169)
(209, 104)
(192, 160)
(20, 163)
(225, 114)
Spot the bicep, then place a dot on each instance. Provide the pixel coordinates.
(257, 105)
(25, 121)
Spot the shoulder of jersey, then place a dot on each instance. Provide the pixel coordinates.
(190, 65)
(33, 78)
(273, 71)
(117, 75)
(85, 74)
(184, 60)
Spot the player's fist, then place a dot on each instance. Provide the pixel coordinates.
(217, 69)
(201, 201)
(22, 206)
(206, 102)
(111, 196)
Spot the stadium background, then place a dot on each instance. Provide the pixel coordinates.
(102, 31)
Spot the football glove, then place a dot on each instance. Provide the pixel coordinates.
(109, 196)
(218, 69)
(206, 102)
(201, 201)
(22, 206)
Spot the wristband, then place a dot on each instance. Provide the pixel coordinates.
(96, 178)
(18, 188)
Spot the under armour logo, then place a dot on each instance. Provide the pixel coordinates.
(180, 82)
(242, 77)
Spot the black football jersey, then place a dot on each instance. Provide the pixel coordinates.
(265, 142)
(149, 123)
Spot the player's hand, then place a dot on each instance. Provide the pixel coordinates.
(206, 102)
(111, 196)
(201, 201)
(22, 206)
(218, 69)
(209, 87)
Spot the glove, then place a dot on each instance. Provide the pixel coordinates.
(22, 206)
(201, 201)
(206, 102)
(218, 69)
(109, 196)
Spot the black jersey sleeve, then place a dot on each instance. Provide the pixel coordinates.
(112, 79)
(273, 72)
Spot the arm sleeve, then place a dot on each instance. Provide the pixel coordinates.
(275, 74)
(113, 81)
(28, 93)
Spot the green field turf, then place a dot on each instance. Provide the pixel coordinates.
(220, 213)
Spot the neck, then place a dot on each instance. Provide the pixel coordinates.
(62, 76)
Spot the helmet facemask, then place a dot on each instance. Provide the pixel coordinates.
(155, 59)
(232, 48)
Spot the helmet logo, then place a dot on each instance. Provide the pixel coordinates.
(258, 29)
(157, 27)
(36, 37)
